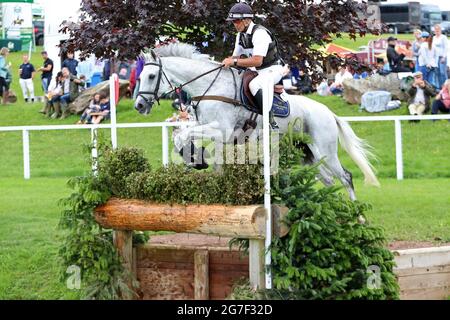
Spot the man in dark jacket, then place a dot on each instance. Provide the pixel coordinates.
(70, 63)
(420, 94)
(304, 82)
(395, 59)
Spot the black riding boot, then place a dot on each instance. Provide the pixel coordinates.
(259, 102)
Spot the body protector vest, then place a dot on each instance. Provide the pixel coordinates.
(273, 53)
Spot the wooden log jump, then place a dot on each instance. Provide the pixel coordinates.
(247, 222)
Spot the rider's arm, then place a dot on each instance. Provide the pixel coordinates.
(254, 61)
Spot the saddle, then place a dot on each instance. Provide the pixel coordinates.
(280, 108)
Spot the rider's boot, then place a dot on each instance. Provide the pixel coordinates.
(259, 102)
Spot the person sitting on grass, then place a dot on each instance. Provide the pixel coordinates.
(104, 112)
(94, 106)
(421, 93)
(442, 102)
(337, 88)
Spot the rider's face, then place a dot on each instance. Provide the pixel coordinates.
(239, 25)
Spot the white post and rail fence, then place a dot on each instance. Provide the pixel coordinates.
(165, 134)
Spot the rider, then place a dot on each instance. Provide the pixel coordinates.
(261, 47)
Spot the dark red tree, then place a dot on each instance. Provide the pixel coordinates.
(123, 28)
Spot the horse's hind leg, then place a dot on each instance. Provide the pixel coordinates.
(342, 174)
(312, 156)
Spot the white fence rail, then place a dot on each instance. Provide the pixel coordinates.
(26, 136)
(165, 134)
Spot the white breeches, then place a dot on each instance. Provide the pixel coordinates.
(267, 78)
(27, 88)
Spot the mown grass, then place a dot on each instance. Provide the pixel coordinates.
(29, 239)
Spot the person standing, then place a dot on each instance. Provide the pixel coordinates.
(440, 44)
(70, 63)
(428, 60)
(4, 70)
(47, 71)
(416, 47)
(139, 67)
(26, 74)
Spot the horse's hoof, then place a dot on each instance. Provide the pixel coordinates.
(201, 166)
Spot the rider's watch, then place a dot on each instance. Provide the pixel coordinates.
(235, 62)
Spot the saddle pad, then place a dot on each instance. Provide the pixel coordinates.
(280, 108)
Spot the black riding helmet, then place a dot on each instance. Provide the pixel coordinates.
(240, 11)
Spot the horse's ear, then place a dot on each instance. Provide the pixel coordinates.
(152, 52)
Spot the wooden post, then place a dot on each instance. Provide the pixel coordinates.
(201, 275)
(123, 241)
(256, 263)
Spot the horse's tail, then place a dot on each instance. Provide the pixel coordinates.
(358, 150)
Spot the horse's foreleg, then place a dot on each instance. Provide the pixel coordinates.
(184, 143)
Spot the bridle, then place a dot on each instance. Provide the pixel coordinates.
(161, 74)
(177, 89)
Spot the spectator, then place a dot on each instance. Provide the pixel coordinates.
(132, 85)
(52, 107)
(94, 106)
(428, 59)
(323, 89)
(106, 70)
(416, 47)
(83, 79)
(360, 74)
(139, 67)
(440, 44)
(183, 115)
(337, 88)
(442, 102)
(26, 73)
(4, 70)
(70, 86)
(304, 82)
(86, 68)
(47, 71)
(70, 63)
(421, 93)
(124, 70)
(71, 90)
(104, 112)
(395, 60)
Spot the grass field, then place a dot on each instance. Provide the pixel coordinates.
(416, 209)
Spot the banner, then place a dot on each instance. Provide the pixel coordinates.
(18, 21)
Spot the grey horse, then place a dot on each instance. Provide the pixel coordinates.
(176, 64)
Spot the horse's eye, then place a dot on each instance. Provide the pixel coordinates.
(152, 76)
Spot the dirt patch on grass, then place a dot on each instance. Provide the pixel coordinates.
(402, 245)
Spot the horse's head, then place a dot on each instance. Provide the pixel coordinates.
(153, 84)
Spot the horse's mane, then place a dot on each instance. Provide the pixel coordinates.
(178, 49)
